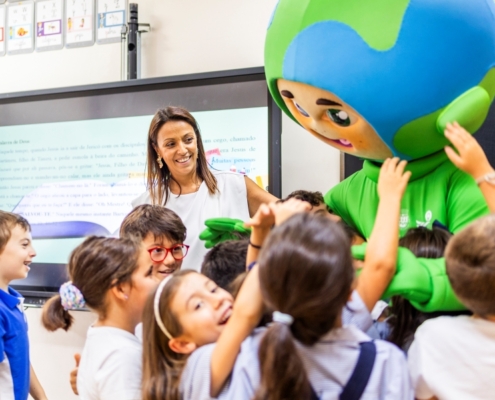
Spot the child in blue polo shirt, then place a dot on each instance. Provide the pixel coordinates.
(17, 378)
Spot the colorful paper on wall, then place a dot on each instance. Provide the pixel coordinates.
(79, 25)
(20, 25)
(110, 18)
(49, 25)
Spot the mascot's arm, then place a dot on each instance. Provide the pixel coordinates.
(422, 281)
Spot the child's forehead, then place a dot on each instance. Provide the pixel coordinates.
(160, 239)
(19, 231)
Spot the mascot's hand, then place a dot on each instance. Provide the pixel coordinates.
(422, 281)
(221, 229)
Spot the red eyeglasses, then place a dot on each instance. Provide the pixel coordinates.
(158, 254)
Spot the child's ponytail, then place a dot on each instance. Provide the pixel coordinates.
(55, 316)
(282, 372)
(306, 274)
(94, 266)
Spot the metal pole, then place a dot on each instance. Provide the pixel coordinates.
(138, 55)
(123, 53)
(132, 41)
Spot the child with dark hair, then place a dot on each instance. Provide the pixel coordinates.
(405, 319)
(113, 278)
(161, 233)
(17, 377)
(225, 262)
(454, 357)
(318, 206)
(197, 345)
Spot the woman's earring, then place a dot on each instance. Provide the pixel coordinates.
(159, 161)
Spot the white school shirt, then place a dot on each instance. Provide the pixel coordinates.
(230, 201)
(330, 364)
(111, 365)
(454, 358)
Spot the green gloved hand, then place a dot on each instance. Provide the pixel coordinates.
(221, 229)
(422, 281)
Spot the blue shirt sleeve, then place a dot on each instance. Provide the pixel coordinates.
(2, 338)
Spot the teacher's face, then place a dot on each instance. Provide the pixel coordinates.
(177, 146)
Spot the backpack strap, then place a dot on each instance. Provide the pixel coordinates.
(313, 395)
(358, 381)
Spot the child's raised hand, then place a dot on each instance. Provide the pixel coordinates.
(393, 180)
(283, 211)
(264, 218)
(470, 157)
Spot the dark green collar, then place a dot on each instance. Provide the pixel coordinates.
(419, 168)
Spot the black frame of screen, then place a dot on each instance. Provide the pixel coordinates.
(53, 272)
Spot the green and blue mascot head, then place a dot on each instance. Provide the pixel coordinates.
(376, 78)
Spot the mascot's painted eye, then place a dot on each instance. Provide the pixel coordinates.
(339, 117)
(301, 110)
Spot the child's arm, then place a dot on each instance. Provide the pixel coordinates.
(381, 253)
(248, 308)
(248, 305)
(471, 159)
(260, 225)
(268, 215)
(35, 388)
(73, 374)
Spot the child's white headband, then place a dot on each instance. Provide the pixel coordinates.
(156, 306)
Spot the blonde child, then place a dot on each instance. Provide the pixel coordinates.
(113, 278)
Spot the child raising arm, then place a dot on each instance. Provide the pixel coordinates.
(471, 159)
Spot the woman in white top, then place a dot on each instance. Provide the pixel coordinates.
(178, 177)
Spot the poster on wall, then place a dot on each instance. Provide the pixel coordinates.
(2, 30)
(19, 30)
(49, 25)
(111, 15)
(79, 23)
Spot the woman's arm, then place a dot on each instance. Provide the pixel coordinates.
(257, 196)
(381, 253)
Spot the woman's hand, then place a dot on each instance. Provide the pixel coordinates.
(470, 157)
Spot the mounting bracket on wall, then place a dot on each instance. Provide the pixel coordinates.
(131, 45)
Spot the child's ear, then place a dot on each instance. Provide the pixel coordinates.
(181, 346)
(121, 291)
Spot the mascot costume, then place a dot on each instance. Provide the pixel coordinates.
(382, 78)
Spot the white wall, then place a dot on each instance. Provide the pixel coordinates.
(188, 36)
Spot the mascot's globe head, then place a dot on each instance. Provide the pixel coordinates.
(376, 78)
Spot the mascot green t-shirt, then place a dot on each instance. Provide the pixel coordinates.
(382, 78)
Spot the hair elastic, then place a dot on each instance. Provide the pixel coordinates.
(156, 306)
(282, 318)
(71, 297)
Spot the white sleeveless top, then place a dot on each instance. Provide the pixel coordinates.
(230, 201)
